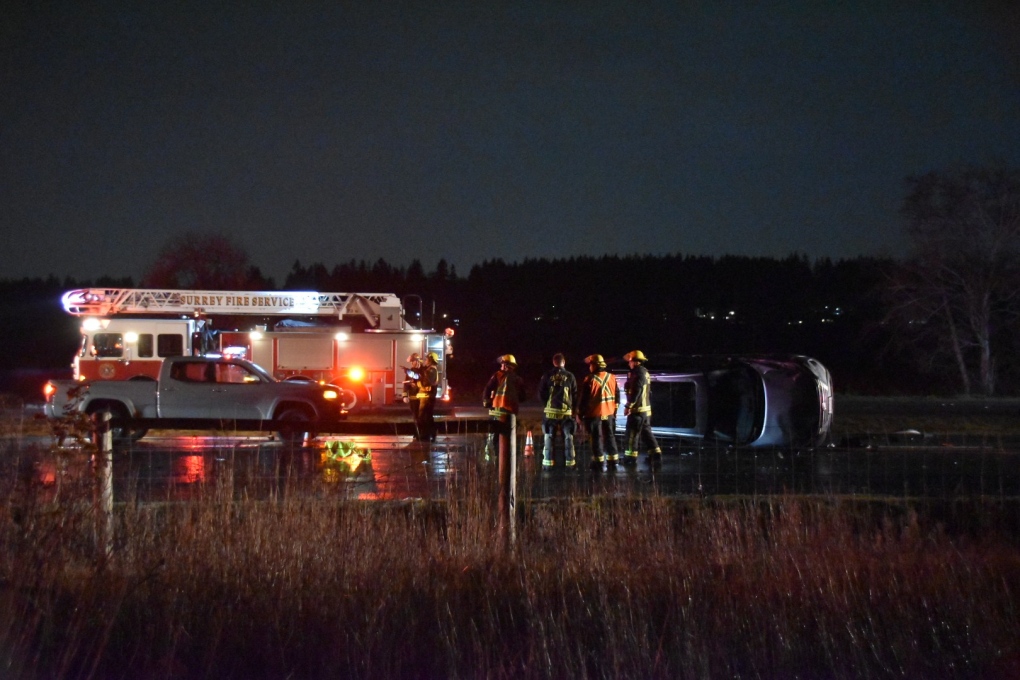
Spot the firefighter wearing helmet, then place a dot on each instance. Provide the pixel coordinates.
(426, 386)
(411, 375)
(639, 411)
(599, 395)
(503, 395)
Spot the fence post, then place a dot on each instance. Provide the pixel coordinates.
(104, 485)
(508, 482)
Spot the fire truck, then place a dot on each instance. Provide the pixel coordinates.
(357, 341)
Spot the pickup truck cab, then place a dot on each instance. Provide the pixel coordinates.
(211, 390)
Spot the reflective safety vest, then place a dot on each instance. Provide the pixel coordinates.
(638, 397)
(601, 401)
(506, 397)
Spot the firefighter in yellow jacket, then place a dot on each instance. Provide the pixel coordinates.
(425, 393)
(411, 376)
(599, 396)
(503, 395)
(639, 411)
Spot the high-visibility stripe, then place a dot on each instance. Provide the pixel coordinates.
(561, 410)
(638, 386)
(641, 403)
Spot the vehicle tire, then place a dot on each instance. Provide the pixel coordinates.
(348, 399)
(295, 426)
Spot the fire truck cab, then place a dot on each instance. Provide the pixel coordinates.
(357, 341)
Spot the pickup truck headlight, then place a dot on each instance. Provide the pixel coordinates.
(332, 395)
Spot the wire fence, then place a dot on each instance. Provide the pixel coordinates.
(900, 465)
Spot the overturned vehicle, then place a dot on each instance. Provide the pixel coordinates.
(739, 400)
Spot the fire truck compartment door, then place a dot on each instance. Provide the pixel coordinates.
(294, 353)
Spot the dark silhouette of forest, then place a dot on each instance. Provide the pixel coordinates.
(831, 310)
(612, 304)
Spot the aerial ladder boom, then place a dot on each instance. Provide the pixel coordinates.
(381, 310)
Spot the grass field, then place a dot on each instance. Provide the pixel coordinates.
(311, 584)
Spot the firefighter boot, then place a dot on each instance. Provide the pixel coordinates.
(547, 452)
(630, 454)
(655, 458)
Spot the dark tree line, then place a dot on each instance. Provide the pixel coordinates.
(582, 305)
(612, 304)
(944, 319)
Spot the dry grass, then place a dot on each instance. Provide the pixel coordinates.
(311, 584)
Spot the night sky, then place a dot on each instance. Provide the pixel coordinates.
(325, 132)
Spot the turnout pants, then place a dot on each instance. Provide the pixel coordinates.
(639, 432)
(549, 428)
(602, 432)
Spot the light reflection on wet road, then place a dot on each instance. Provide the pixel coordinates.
(177, 468)
(186, 467)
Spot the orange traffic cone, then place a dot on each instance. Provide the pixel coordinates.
(529, 446)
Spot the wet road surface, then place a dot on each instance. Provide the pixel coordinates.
(182, 467)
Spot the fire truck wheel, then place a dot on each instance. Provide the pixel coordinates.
(295, 426)
(348, 398)
(353, 396)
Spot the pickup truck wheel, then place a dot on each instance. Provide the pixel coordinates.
(120, 433)
(295, 426)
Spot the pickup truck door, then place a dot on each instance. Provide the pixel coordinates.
(221, 389)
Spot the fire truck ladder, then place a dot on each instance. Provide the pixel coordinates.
(377, 308)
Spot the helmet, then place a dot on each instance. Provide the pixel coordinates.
(507, 358)
(413, 358)
(433, 357)
(595, 359)
(636, 355)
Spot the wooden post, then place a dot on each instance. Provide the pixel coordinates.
(104, 485)
(508, 482)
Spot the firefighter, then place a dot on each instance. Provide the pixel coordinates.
(639, 411)
(599, 395)
(426, 386)
(558, 392)
(411, 376)
(503, 395)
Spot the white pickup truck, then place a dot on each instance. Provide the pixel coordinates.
(204, 392)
